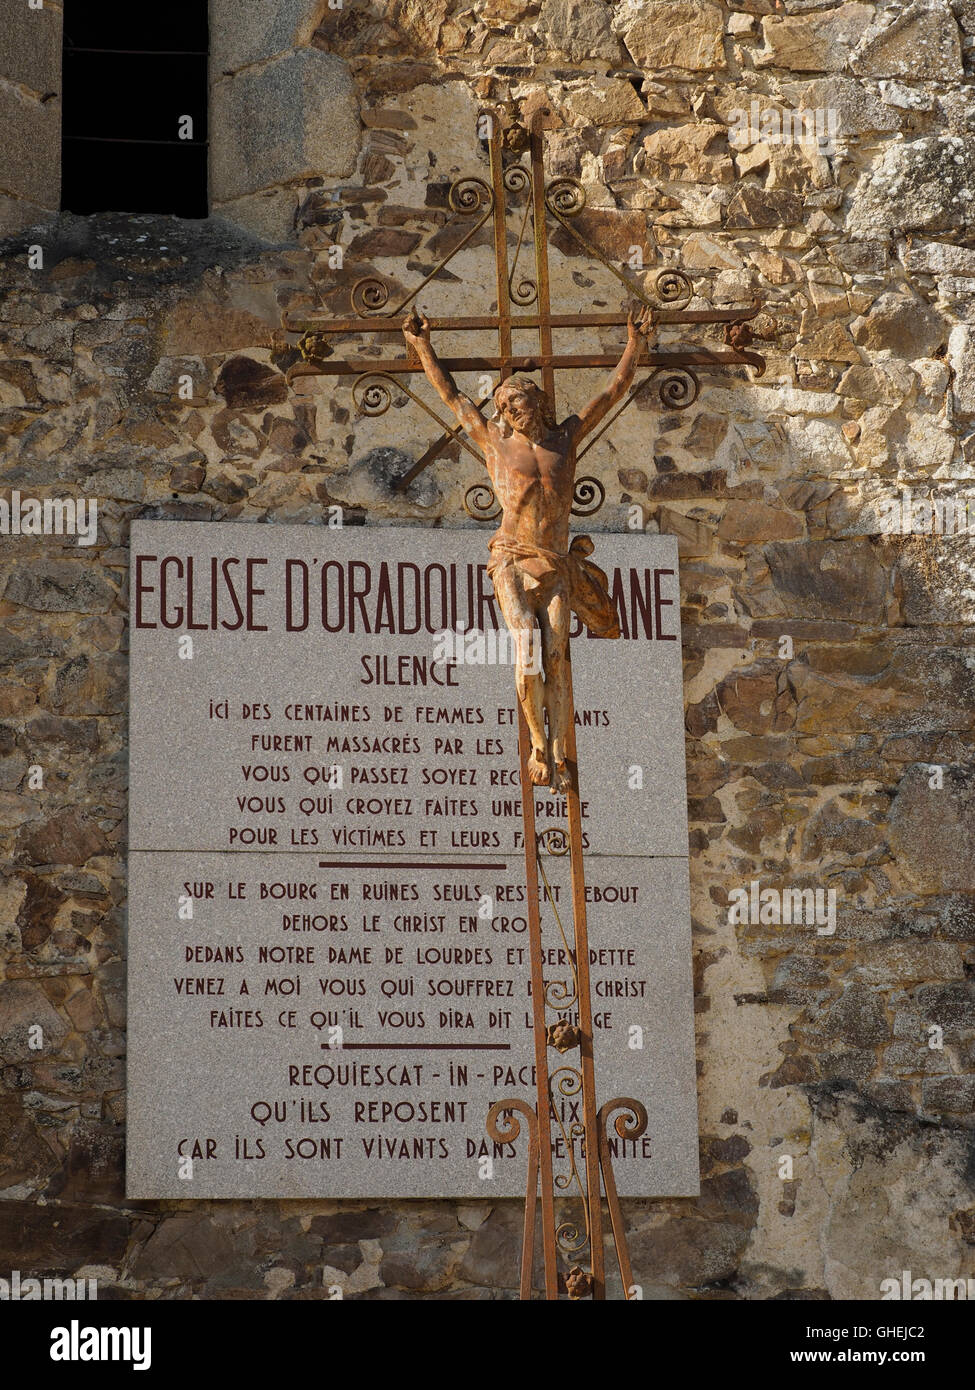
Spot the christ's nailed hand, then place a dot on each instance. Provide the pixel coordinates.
(416, 329)
(641, 321)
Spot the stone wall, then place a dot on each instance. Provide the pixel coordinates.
(811, 763)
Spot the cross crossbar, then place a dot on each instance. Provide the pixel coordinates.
(473, 198)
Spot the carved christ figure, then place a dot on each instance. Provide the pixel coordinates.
(539, 578)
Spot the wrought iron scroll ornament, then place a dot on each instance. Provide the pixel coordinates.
(473, 203)
(467, 196)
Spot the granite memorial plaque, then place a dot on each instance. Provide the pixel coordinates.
(328, 964)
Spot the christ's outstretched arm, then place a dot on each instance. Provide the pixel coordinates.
(638, 325)
(416, 331)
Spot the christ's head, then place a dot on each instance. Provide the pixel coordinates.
(524, 407)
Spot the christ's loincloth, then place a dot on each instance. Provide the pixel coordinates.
(586, 586)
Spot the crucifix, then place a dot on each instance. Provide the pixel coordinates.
(539, 577)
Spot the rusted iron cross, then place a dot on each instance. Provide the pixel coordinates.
(587, 1145)
(377, 379)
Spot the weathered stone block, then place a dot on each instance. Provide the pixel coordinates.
(894, 696)
(579, 30)
(66, 838)
(961, 355)
(509, 11)
(832, 834)
(92, 684)
(371, 1224)
(186, 1246)
(693, 537)
(907, 961)
(760, 207)
(883, 387)
(687, 34)
(922, 43)
(956, 1094)
(745, 523)
(74, 734)
(31, 55)
(60, 586)
(932, 832)
(940, 258)
(684, 154)
(197, 326)
(730, 1196)
(187, 477)
(905, 98)
(95, 1168)
(827, 341)
(829, 579)
(956, 916)
(421, 21)
(701, 252)
(818, 42)
(901, 324)
(58, 1237)
(689, 1253)
(30, 153)
(124, 484)
(615, 233)
(244, 34)
(165, 375)
(607, 101)
(293, 119)
(24, 1155)
(925, 185)
(23, 1006)
(269, 215)
(425, 1264)
(858, 111)
(858, 1017)
(799, 972)
(247, 384)
(950, 1006)
(383, 241)
(494, 1253)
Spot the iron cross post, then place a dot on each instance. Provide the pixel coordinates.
(555, 1003)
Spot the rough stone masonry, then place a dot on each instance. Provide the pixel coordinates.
(829, 665)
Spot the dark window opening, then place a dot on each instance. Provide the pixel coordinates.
(134, 107)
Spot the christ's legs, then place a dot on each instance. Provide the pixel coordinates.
(520, 618)
(554, 622)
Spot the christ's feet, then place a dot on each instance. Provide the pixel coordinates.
(561, 782)
(539, 770)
